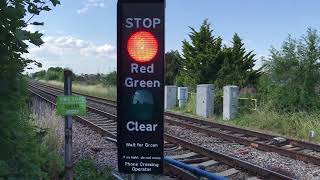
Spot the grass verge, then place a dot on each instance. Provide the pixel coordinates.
(107, 92)
(46, 123)
(296, 124)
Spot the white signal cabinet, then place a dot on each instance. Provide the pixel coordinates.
(205, 100)
(170, 97)
(230, 102)
(182, 96)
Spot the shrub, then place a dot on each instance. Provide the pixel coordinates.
(291, 74)
(110, 79)
(86, 169)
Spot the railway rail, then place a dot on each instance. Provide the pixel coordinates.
(296, 149)
(184, 151)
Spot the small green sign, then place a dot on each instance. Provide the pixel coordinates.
(71, 105)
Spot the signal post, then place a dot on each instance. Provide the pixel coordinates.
(140, 67)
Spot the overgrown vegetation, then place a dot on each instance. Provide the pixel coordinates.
(288, 89)
(22, 153)
(291, 79)
(293, 124)
(56, 74)
(48, 125)
(86, 169)
(109, 79)
(107, 92)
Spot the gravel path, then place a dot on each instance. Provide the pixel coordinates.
(270, 160)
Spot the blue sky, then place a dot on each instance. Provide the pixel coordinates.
(81, 34)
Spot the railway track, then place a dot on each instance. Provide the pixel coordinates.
(299, 150)
(184, 151)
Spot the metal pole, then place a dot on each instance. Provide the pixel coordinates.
(68, 129)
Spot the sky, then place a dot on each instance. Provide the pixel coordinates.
(81, 34)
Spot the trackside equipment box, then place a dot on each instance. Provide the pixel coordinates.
(140, 71)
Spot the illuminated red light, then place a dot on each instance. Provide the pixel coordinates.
(142, 46)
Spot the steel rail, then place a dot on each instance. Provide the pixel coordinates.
(241, 140)
(234, 162)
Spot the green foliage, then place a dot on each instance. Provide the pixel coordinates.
(55, 73)
(107, 92)
(21, 155)
(86, 169)
(52, 74)
(293, 124)
(172, 66)
(39, 75)
(52, 165)
(206, 61)
(14, 37)
(237, 68)
(110, 79)
(202, 57)
(292, 73)
(190, 107)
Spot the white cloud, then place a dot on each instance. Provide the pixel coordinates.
(80, 55)
(87, 4)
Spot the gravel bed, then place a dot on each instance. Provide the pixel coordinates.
(270, 160)
(102, 107)
(89, 144)
(86, 143)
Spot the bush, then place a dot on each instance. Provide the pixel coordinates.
(54, 73)
(86, 169)
(291, 75)
(23, 155)
(39, 75)
(110, 79)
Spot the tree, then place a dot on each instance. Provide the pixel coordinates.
(171, 66)
(55, 73)
(202, 57)
(19, 153)
(110, 79)
(237, 68)
(293, 73)
(39, 75)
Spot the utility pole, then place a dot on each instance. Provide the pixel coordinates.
(68, 165)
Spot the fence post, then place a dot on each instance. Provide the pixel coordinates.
(68, 165)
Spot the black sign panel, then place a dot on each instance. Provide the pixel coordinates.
(140, 66)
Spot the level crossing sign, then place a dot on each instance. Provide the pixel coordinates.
(140, 67)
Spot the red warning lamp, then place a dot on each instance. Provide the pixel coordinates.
(142, 46)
